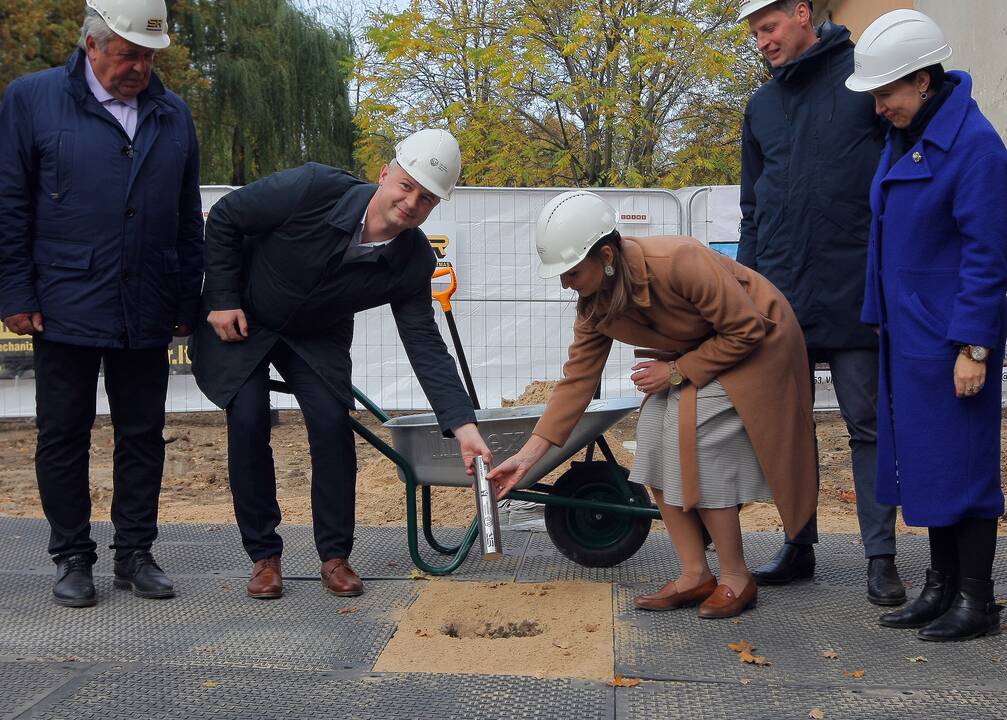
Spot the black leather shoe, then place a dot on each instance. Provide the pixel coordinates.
(74, 586)
(138, 572)
(972, 614)
(884, 586)
(792, 562)
(934, 600)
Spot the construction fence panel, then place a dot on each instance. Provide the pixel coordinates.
(514, 326)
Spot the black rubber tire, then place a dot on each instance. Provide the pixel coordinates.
(595, 538)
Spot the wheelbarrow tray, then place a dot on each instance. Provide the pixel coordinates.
(436, 460)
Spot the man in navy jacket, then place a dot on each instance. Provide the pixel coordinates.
(101, 262)
(809, 151)
(289, 260)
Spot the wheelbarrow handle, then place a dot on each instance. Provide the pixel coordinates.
(444, 296)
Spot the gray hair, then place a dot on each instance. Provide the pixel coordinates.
(95, 26)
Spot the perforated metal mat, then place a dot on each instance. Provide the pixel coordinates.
(150, 692)
(213, 652)
(767, 702)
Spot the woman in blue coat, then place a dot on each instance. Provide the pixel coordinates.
(936, 284)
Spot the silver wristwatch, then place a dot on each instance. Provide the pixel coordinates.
(975, 352)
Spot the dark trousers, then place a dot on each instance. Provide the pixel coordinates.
(250, 459)
(855, 379)
(66, 380)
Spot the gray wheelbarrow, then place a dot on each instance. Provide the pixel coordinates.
(593, 515)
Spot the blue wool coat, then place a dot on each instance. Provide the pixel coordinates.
(937, 278)
(102, 234)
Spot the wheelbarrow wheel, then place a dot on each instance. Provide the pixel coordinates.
(596, 538)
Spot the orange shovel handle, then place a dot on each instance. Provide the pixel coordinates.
(444, 296)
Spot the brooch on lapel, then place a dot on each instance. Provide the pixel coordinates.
(917, 157)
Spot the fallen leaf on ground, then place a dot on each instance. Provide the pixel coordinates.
(591, 628)
(917, 659)
(746, 681)
(747, 657)
(854, 673)
(620, 681)
(347, 610)
(561, 646)
(741, 646)
(830, 654)
(210, 684)
(418, 575)
(816, 714)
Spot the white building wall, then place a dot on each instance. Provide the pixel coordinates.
(977, 31)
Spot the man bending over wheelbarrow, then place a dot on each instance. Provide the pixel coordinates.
(289, 260)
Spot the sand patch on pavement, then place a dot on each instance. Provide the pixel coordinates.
(556, 629)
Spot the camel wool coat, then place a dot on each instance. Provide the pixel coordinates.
(727, 322)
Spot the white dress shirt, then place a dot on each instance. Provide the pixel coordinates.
(125, 112)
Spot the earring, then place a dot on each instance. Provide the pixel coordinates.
(923, 96)
(609, 271)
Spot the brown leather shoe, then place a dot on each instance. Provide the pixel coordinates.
(339, 579)
(667, 598)
(723, 603)
(266, 582)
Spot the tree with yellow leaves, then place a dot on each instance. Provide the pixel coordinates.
(564, 92)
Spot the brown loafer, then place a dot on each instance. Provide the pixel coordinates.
(667, 598)
(339, 579)
(723, 603)
(266, 582)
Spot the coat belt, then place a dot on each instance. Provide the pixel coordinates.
(687, 454)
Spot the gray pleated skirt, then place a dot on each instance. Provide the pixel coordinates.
(729, 472)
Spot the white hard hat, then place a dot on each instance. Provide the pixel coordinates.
(143, 22)
(893, 46)
(749, 7)
(568, 227)
(432, 158)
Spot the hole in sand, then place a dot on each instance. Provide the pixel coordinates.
(489, 631)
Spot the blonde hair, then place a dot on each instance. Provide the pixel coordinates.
(620, 292)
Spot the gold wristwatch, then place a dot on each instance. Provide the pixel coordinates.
(975, 352)
(675, 376)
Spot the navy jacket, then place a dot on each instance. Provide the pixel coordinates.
(102, 235)
(275, 249)
(809, 150)
(937, 278)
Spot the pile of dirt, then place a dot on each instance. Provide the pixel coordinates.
(536, 393)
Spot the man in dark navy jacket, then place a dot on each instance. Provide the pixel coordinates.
(809, 151)
(289, 260)
(101, 234)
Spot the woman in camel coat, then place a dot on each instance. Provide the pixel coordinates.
(740, 355)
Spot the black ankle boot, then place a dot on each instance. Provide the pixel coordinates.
(972, 614)
(791, 562)
(935, 599)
